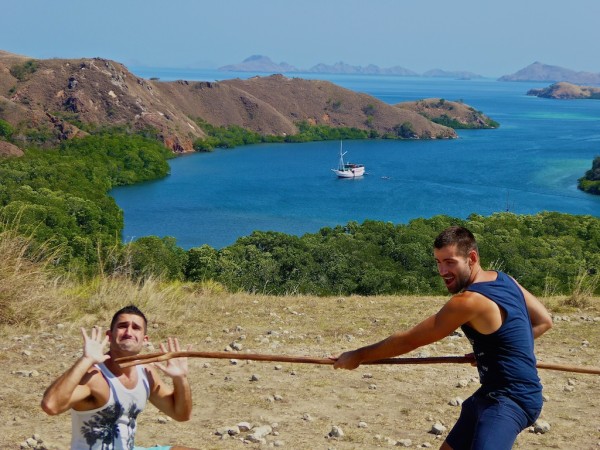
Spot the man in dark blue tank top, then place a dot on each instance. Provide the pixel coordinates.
(501, 319)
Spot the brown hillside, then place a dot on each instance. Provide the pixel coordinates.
(45, 94)
(564, 90)
(434, 108)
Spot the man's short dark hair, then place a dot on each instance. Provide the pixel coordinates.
(459, 236)
(129, 309)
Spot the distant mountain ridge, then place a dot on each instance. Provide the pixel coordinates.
(263, 64)
(543, 72)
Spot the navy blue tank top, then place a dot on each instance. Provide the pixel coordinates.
(505, 358)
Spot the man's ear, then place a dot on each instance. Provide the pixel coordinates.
(473, 257)
(109, 334)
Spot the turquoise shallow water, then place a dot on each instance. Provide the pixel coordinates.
(530, 164)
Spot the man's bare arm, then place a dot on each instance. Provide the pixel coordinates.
(176, 402)
(72, 387)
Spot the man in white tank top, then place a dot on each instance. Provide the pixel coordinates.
(105, 399)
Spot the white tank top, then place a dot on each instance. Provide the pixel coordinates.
(112, 426)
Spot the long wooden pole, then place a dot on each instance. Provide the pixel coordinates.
(128, 361)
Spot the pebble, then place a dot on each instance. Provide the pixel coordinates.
(336, 432)
(437, 429)
(456, 401)
(541, 427)
(244, 426)
(462, 383)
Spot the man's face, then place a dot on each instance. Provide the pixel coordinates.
(453, 267)
(128, 334)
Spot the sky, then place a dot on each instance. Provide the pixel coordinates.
(489, 38)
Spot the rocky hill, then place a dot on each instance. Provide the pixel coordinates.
(450, 113)
(544, 72)
(565, 90)
(64, 97)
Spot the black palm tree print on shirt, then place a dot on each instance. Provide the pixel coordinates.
(103, 427)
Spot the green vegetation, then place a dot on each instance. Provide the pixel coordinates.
(6, 130)
(405, 130)
(548, 252)
(22, 71)
(59, 199)
(309, 133)
(590, 182)
(234, 136)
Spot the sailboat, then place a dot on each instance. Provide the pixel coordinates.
(348, 169)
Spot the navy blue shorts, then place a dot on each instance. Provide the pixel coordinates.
(488, 423)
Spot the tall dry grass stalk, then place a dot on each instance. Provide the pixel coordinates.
(28, 286)
(584, 287)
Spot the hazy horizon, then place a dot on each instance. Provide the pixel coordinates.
(467, 35)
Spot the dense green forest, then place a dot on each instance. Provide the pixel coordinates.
(60, 197)
(590, 182)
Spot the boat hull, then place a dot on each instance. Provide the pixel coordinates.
(350, 173)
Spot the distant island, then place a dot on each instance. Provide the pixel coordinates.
(537, 71)
(546, 73)
(566, 91)
(263, 64)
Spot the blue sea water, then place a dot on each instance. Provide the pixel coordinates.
(530, 164)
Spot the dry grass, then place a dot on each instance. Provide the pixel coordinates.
(28, 290)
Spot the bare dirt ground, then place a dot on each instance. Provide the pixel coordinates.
(375, 406)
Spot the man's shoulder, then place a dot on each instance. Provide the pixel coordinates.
(466, 300)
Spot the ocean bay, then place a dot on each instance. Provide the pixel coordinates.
(530, 164)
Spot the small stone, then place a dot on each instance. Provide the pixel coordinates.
(541, 427)
(336, 432)
(437, 429)
(403, 443)
(362, 424)
(259, 433)
(236, 346)
(456, 401)
(244, 426)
